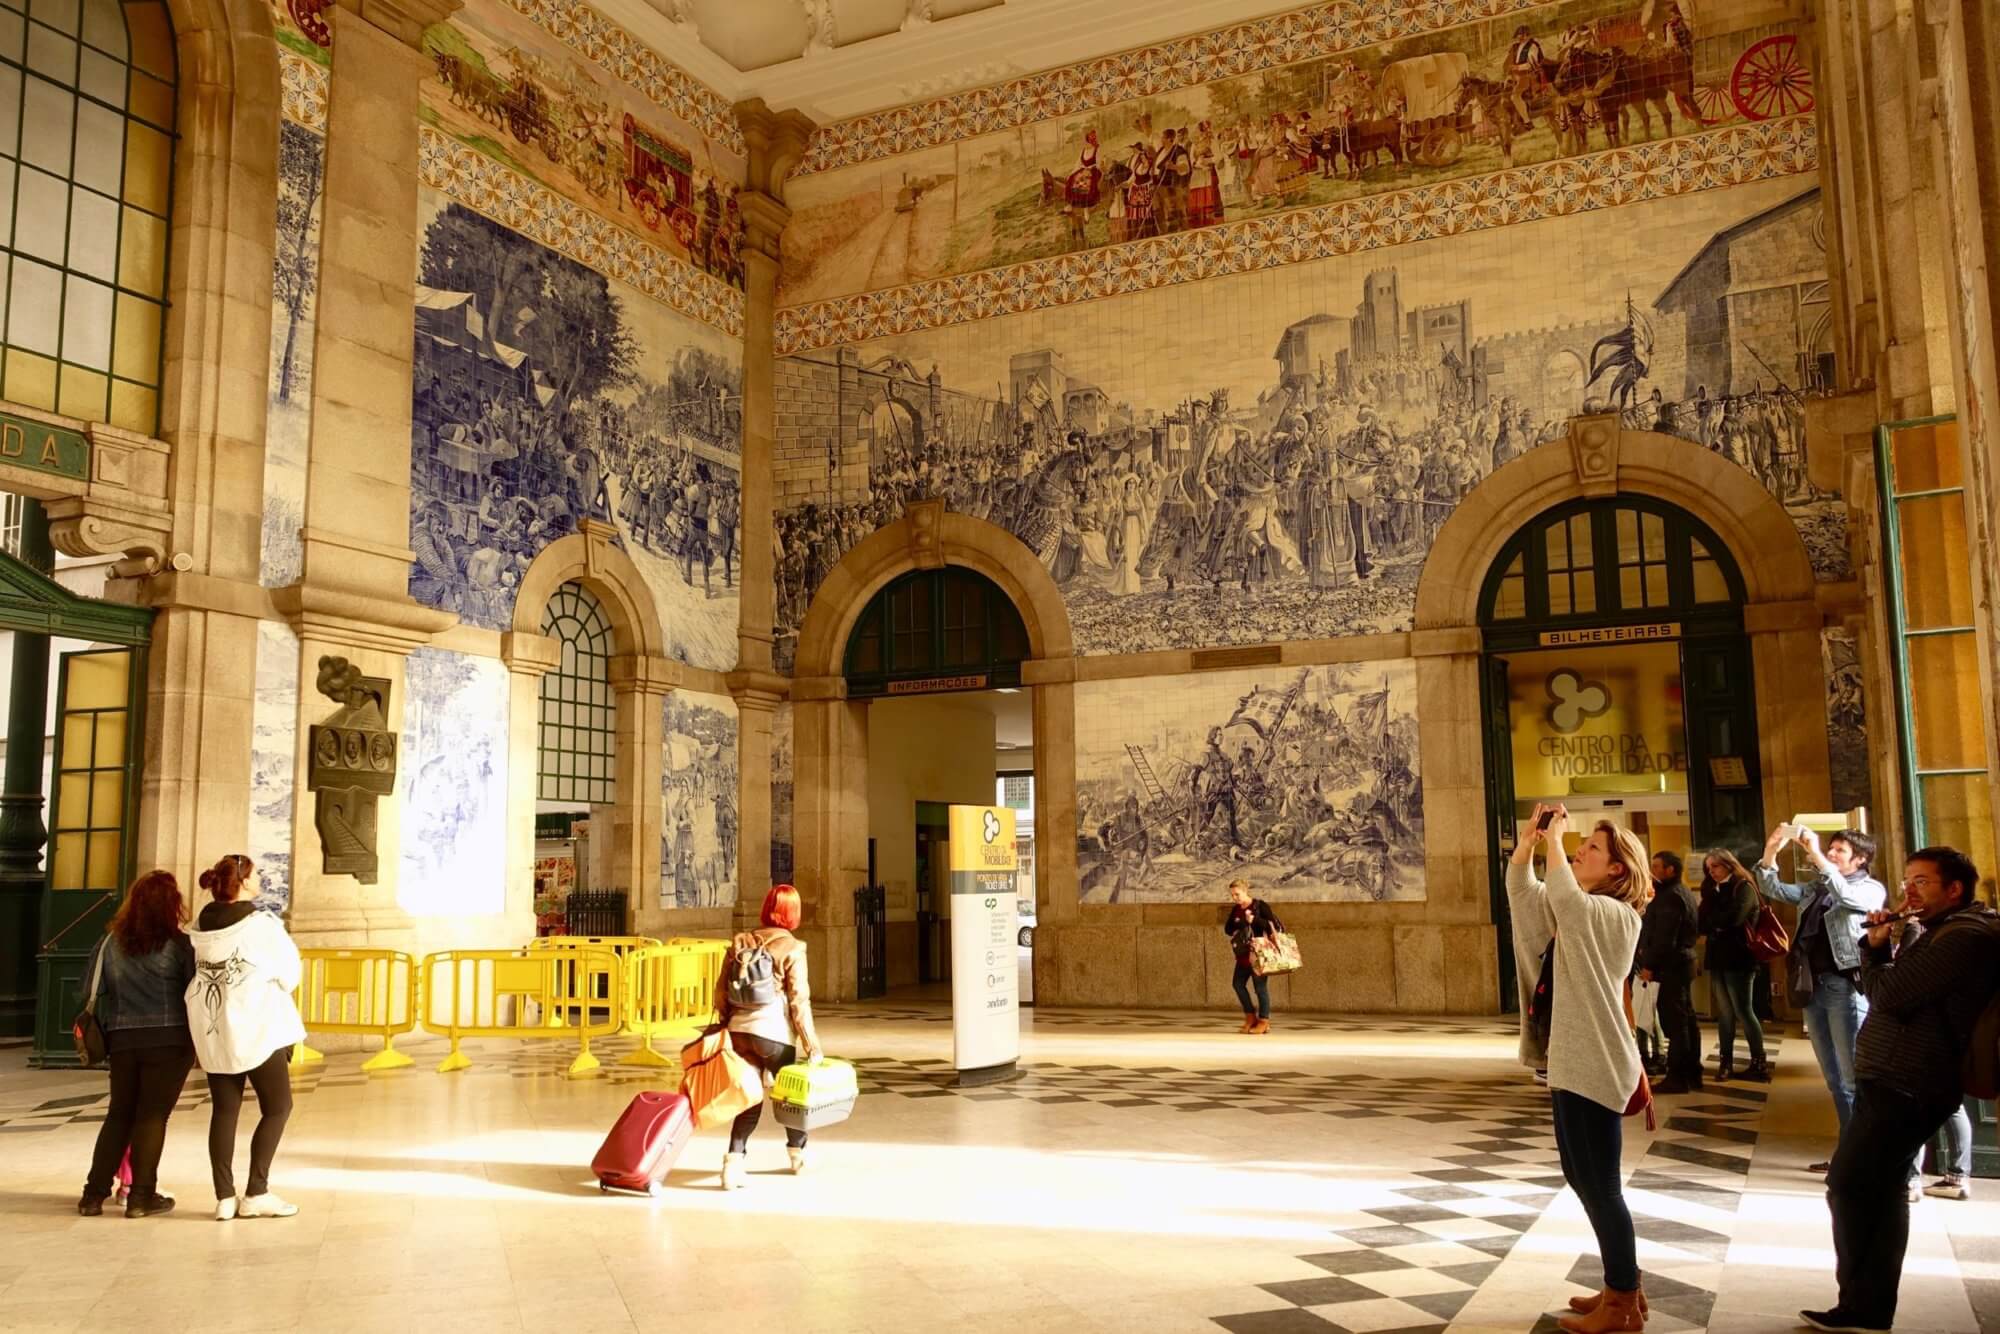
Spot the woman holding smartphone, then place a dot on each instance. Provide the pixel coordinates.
(1584, 921)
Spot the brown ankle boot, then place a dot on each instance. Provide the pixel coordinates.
(1585, 1305)
(1616, 1313)
(1249, 1021)
(1261, 1026)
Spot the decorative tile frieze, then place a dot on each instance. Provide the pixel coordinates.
(486, 186)
(1706, 161)
(302, 90)
(608, 45)
(1267, 43)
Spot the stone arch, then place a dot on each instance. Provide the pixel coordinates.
(1601, 458)
(589, 558)
(928, 536)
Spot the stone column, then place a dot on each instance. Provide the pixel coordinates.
(757, 696)
(640, 686)
(1057, 912)
(22, 833)
(1458, 871)
(352, 599)
(830, 827)
(529, 658)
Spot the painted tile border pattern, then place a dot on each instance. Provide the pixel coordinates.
(1244, 48)
(605, 43)
(302, 90)
(1711, 160)
(471, 178)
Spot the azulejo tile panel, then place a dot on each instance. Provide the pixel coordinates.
(302, 90)
(478, 182)
(605, 43)
(1710, 160)
(1267, 43)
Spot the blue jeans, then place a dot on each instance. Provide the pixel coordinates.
(1729, 997)
(1833, 1021)
(1957, 1157)
(1242, 980)
(1589, 1137)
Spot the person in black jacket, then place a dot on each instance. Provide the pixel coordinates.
(1728, 907)
(1249, 918)
(1666, 956)
(1923, 1000)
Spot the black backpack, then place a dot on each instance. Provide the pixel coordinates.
(753, 978)
(1542, 1001)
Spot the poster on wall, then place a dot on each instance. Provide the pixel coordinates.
(1304, 781)
(985, 977)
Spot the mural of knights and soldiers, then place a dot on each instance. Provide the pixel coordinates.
(698, 821)
(1552, 82)
(1303, 782)
(1300, 500)
(545, 396)
(505, 88)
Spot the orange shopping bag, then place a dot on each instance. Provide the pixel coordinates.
(719, 1084)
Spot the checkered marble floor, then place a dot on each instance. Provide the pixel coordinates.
(1147, 1171)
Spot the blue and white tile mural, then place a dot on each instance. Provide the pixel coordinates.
(451, 783)
(1846, 721)
(1305, 781)
(781, 795)
(698, 815)
(274, 763)
(547, 393)
(294, 287)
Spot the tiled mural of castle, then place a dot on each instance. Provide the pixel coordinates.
(273, 763)
(1268, 456)
(1305, 781)
(547, 393)
(698, 826)
(1341, 102)
(451, 784)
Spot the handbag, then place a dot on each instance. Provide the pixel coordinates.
(1275, 953)
(87, 1032)
(720, 1085)
(1766, 935)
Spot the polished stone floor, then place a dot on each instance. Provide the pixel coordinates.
(1150, 1172)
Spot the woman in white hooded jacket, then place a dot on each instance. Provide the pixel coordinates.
(244, 1022)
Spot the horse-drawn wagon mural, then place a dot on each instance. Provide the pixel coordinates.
(1541, 83)
(501, 86)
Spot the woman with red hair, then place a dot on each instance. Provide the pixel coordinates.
(139, 973)
(765, 1001)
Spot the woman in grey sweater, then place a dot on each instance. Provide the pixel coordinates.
(1588, 914)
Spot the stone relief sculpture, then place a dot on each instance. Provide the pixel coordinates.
(353, 763)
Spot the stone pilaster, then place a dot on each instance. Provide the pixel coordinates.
(757, 696)
(529, 658)
(830, 829)
(640, 686)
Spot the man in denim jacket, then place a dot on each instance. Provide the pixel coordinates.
(1826, 951)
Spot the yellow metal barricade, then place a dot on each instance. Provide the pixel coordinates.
(619, 946)
(712, 953)
(668, 993)
(518, 993)
(369, 992)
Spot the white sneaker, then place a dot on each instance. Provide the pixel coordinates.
(734, 1172)
(266, 1205)
(225, 1209)
(798, 1157)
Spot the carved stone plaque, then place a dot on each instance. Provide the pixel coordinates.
(353, 763)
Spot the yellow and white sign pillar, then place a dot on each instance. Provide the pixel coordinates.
(985, 983)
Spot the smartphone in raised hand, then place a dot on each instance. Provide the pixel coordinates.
(1548, 816)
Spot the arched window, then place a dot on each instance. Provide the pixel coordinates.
(86, 166)
(578, 717)
(951, 624)
(1628, 559)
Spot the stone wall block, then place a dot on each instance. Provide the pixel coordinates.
(1099, 965)
(1172, 967)
(1420, 970)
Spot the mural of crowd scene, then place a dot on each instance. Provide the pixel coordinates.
(273, 763)
(503, 86)
(1303, 781)
(781, 795)
(1269, 456)
(547, 394)
(698, 821)
(1846, 721)
(1548, 82)
(451, 784)
(294, 286)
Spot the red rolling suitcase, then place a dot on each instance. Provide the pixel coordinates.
(641, 1148)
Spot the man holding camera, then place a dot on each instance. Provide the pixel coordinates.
(1825, 961)
(1924, 998)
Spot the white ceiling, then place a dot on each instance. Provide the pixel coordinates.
(833, 59)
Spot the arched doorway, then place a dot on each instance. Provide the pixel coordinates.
(1618, 680)
(939, 615)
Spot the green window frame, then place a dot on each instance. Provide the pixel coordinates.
(87, 108)
(577, 746)
(936, 623)
(1927, 584)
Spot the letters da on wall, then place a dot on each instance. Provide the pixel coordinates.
(353, 764)
(1304, 781)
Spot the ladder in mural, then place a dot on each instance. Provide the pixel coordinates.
(1145, 771)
